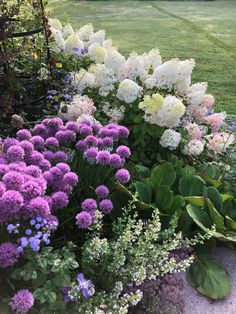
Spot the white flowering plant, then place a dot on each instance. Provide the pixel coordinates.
(148, 95)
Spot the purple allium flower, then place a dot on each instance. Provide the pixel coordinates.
(45, 165)
(91, 153)
(90, 140)
(102, 191)
(112, 133)
(64, 137)
(85, 286)
(106, 206)
(111, 126)
(36, 158)
(59, 200)
(57, 173)
(8, 143)
(115, 161)
(70, 178)
(80, 145)
(49, 155)
(41, 130)
(103, 157)
(23, 135)
(15, 153)
(89, 204)
(33, 171)
(60, 156)
(51, 223)
(3, 169)
(73, 126)
(38, 142)
(51, 142)
(2, 189)
(13, 180)
(63, 167)
(11, 202)
(55, 123)
(107, 142)
(38, 206)
(27, 146)
(84, 220)
(8, 254)
(85, 130)
(123, 132)
(123, 151)
(123, 176)
(31, 189)
(96, 127)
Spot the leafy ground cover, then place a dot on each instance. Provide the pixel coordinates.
(206, 31)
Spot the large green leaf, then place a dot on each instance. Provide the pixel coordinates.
(214, 195)
(163, 174)
(199, 216)
(191, 185)
(144, 192)
(164, 197)
(217, 219)
(209, 277)
(195, 200)
(178, 202)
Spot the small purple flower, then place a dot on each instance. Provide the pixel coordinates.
(67, 97)
(22, 301)
(15, 153)
(103, 157)
(64, 137)
(84, 220)
(89, 204)
(123, 176)
(102, 191)
(106, 206)
(49, 98)
(85, 286)
(123, 151)
(23, 135)
(8, 254)
(34, 244)
(24, 242)
(115, 161)
(91, 153)
(28, 232)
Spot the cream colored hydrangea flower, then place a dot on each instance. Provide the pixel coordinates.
(71, 42)
(128, 91)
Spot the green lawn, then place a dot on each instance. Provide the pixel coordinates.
(205, 31)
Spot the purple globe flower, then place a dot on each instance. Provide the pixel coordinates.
(103, 157)
(123, 151)
(65, 137)
(2, 189)
(70, 178)
(40, 130)
(102, 191)
(31, 189)
(3, 169)
(85, 130)
(123, 132)
(38, 142)
(36, 158)
(49, 155)
(106, 206)
(91, 153)
(89, 204)
(123, 176)
(51, 142)
(90, 140)
(38, 206)
(8, 254)
(8, 143)
(73, 126)
(107, 142)
(84, 220)
(115, 161)
(96, 127)
(59, 200)
(33, 171)
(60, 156)
(23, 135)
(45, 165)
(80, 145)
(15, 153)
(55, 123)
(22, 301)
(11, 202)
(63, 167)
(27, 146)
(13, 180)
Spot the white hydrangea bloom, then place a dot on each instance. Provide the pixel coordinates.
(107, 43)
(196, 92)
(114, 114)
(96, 53)
(97, 37)
(67, 31)
(85, 32)
(115, 61)
(82, 79)
(55, 23)
(135, 67)
(170, 139)
(184, 76)
(71, 42)
(104, 78)
(194, 147)
(128, 91)
(152, 59)
(58, 44)
(78, 106)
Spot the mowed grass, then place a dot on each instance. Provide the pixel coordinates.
(205, 31)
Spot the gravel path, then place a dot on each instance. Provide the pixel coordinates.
(194, 303)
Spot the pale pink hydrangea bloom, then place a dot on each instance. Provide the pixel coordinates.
(194, 131)
(219, 142)
(215, 121)
(208, 101)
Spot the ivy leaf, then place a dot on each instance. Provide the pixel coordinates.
(208, 277)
